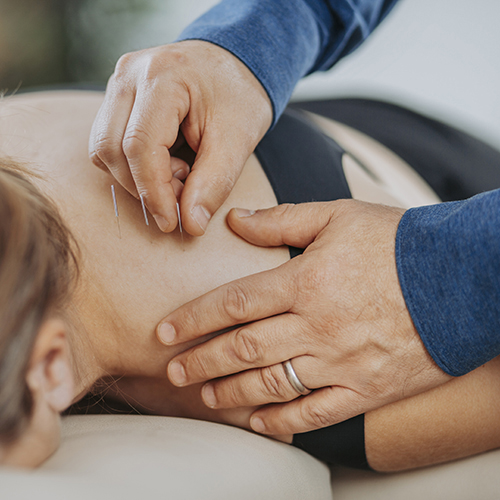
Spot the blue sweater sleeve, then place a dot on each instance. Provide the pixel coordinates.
(448, 260)
(282, 40)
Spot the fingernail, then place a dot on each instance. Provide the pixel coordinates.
(208, 395)
(166, 332)
(201, 216)
(258, 425)
(243, 212)
(162, 222)
(176, 373)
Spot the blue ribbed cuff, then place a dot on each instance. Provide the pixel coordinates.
(448, 261)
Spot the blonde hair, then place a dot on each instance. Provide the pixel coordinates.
(38, 268)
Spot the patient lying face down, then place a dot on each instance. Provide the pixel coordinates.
(80, 301)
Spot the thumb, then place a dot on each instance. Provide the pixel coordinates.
(287, 224)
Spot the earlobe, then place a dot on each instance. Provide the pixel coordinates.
(50, 376)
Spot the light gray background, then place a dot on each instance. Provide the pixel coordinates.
(437, 56)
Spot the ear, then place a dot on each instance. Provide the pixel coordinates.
(50, 376)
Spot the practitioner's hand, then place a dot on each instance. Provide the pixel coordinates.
(156, 99)
(336, 311)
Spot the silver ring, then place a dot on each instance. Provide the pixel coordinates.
(293, 379)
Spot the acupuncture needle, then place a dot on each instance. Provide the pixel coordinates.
(116, 211)
(145, 215)
(144, 210)
(180, 225)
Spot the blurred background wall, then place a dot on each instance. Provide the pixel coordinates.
(439, 57)
(45, 42)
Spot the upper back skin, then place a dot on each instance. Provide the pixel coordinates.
(128, 284)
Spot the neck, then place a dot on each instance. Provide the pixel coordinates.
(87, 366)
(130, 281)
(109, 340)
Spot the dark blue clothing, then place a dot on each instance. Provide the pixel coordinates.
(283, 40)
(448, 256)
(448, 259)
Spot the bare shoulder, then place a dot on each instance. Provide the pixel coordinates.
(375, 173)
(32, 125)
(49, 101)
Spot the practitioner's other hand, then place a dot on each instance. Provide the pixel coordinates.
(156, 99)
(337, 312)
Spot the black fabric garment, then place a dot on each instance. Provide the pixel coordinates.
(340, 444)
(303, 165)
(455, 164)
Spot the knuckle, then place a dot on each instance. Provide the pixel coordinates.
(318, 417)
(284, 209)
(123, 64)
(274, 384)
(236, 303)
(152, 69)
(343, 207)
(196, 365)
(105, 149)
(96, 160)
(135, 143)
(190, 323)
(229, 394)
(316, 278)
(246, 348)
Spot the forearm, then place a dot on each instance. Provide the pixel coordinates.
(283, 40)
(455, 420)
(448, 259)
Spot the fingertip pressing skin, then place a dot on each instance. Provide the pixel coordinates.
(285, 224)
(176, 373)
(165, 332)
(239, 218)
(208, 395)
(253, 226)
(258, 425)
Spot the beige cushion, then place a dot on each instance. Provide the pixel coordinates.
(468, 479)
(163, 457)
(136, 457)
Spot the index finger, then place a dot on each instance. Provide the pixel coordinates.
(150, 131)
(105, 140)
(247, 299)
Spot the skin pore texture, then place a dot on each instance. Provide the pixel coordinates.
(130, 283)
